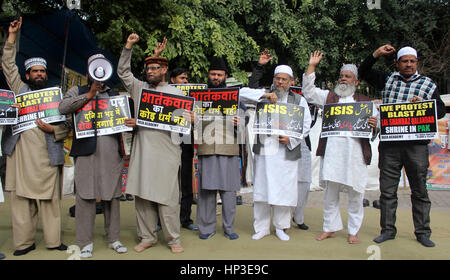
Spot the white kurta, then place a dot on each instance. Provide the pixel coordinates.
(343, 161)
(275, 179)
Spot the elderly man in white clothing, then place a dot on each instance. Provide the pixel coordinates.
(344, 160)
(276, 162)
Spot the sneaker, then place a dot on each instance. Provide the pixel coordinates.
(231, 236)
(191, 227)
(118, 247)
(86, 252)
(206, 235)
(259, 235)
(281, 234)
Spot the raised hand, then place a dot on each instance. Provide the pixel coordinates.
(384, 50)
(15, 25)
(315, 58)
(160, 48)
(264, 57)
(133, 38)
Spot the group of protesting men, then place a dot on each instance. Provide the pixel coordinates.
(282, 164)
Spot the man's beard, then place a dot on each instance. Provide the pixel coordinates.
(280, 92)
(344, 90)
(36, 85)
(155, 80)
(223, 84)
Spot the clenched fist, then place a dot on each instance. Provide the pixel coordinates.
(133, 38)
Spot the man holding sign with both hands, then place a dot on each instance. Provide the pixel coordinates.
(406, 85)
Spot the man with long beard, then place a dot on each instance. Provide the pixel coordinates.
(155, 159)
(344, 160)
(34, 160)
(276, 161)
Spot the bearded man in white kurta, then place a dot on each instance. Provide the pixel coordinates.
(276, 165)
(344, 160)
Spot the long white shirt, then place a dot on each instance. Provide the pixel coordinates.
(343, 161)
(275, 179)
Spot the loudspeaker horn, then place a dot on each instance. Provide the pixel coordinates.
(99, 68)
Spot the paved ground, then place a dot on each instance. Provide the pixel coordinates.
(440, 199)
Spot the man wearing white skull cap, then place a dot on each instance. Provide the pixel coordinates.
(344, 160)
(34, 160)
(405, 85)
(276, 161)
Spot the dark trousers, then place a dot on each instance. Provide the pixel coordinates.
(187, 196)
(414, 157)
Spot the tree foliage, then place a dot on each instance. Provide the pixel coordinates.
(346, 31)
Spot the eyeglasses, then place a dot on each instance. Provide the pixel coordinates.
(153, 68)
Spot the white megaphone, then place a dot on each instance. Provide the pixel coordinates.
(99, 68)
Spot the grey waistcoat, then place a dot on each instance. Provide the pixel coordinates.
(293, 154)
(55, 149)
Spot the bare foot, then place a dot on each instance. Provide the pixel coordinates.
(142, 246)
(353, 239)
(325, 235)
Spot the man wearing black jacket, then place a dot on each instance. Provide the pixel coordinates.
(406, 85)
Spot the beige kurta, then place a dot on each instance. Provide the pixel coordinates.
(155, 159)
(28, 169)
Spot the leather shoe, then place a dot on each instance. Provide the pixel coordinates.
(425, 241)
(61, 247)
(376, 204)
(24, 251)
(382, 237)
(303, 227)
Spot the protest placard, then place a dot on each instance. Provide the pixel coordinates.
(218, 102)
(8, 114)
(347, 119)
(186, 87)
(164, 111)
(107, 114)
(408, 121)
(39, 104)
(279, 119)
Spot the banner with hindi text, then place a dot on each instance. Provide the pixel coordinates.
(108, 114)
(164, 111)
(217, 102)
